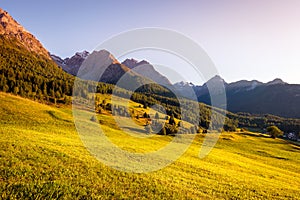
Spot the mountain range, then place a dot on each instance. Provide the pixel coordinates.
(115, 69)
(275, 97)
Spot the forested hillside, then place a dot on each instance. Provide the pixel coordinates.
(31, 75)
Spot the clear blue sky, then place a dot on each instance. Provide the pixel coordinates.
(246, 39)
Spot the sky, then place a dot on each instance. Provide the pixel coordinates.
(246, 39)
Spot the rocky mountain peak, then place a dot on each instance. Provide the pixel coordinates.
(184, 84)
(10, 28)
(8, 24)
(83, 54)
(105, 56)
(276, 82)
(132, 63)
(215, 80)
(147, 70)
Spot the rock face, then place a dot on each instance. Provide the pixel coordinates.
(10, 28)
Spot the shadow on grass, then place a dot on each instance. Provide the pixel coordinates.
(136, 130)
(55, 116)
(266, 154)
(297, 144)
(260, 135)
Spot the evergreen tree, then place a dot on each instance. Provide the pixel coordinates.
(148, 129)
(172, 120)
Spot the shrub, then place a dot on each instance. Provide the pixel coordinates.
(274, 131)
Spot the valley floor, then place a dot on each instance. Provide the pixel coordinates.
(42, 157)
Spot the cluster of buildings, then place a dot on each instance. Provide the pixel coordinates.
(292, 136)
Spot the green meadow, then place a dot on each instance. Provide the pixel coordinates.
(42, 157)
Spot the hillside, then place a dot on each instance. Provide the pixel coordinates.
(43, 157)
(31, 75)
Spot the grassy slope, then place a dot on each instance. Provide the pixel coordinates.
(41, 156)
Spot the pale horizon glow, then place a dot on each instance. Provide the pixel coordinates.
(247, 40)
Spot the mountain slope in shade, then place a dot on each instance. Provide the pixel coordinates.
(11, 29)
(244, 85)
(185, 88)
(76, 61)
(146, 69)
(71, 65)
(275, 97)
(103, 66)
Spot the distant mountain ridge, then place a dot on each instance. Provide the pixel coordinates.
(275, 97)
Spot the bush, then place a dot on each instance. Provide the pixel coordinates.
(274, 131)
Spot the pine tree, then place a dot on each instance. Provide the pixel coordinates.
(148, 129)
(172, 120)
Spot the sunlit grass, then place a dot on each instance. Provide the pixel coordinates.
(42, 157)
